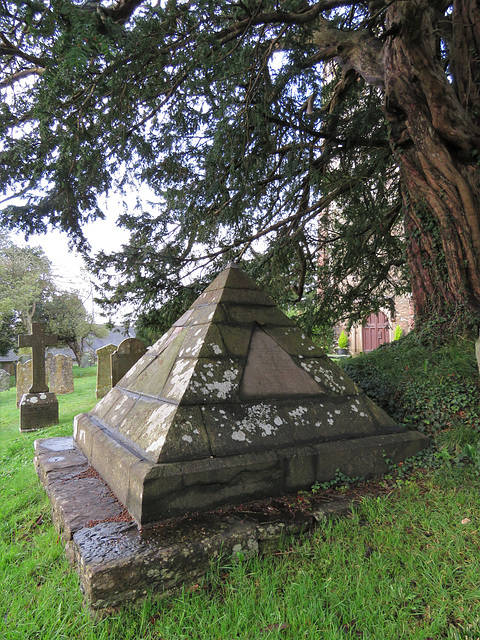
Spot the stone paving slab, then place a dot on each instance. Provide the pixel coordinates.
(116, 561)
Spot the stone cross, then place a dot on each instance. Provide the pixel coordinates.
(38, 340)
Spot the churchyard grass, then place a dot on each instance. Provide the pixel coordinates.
(404, 565)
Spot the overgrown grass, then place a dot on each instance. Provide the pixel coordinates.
(405, 565)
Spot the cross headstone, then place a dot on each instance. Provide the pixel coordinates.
(38, 407)
(38, 340)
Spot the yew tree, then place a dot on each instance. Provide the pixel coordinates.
(331, 146)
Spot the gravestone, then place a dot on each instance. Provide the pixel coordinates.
(87, 359)
(127, 354)
(477, 352)
(104, 369)
(60, 373)
(4, 380)
(38, 407)
(24, 378)
(233, 403)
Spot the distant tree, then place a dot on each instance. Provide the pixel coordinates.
(250, 121)
(65, 315)
(8, 333)
(26, 280)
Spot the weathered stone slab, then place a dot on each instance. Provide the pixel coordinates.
(77, 494)
(117, 562)
(59, 373)
(271, 372)
(4, 380)
(477, 352)
(24, 378)
(87, 359)
(149, 375)
(128, 353)
(327, 373)
(104, 369)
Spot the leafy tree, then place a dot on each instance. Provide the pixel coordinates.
(8, 333)
(25, 280)
(65, 315)
(308, 139)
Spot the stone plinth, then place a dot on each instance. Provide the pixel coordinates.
(38, 410)
(117, 562)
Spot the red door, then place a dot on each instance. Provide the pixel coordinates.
(376, 331)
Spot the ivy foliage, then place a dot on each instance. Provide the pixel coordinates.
(429, 385)
(255, 147)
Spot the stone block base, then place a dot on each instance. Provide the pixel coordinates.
(38, 410)
(117, 561)
(154, 492)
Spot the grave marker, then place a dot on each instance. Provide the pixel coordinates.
(104, 369)
(24, 378)
(60, 373)
(127, 354)
(38, 407)
(4, 380)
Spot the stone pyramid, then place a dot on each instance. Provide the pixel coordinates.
(233, 403)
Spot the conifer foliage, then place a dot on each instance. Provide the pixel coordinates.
(329, 145)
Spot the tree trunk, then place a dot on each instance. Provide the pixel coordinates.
(77, 350)
(435, 139)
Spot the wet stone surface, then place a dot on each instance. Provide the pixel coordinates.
(117, 561)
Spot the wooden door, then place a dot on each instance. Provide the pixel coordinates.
(376, 331)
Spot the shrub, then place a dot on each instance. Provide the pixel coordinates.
(432, 388)
(343, 340)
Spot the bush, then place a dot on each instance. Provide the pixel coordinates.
(343, 340)
(432, 388)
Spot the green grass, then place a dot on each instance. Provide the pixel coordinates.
(405, 565)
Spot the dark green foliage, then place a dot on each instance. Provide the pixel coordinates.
(432, 387)
(218, 127)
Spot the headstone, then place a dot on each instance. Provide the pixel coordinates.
(87, 359)
(60, 373)
(4, 380)
(24, 378)
(232, 404)
(477, 352)
(38, 407)
(127, 354)
(104, 369)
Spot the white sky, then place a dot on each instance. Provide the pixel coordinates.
(67, 265)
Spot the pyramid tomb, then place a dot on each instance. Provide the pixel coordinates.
(233, 403)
